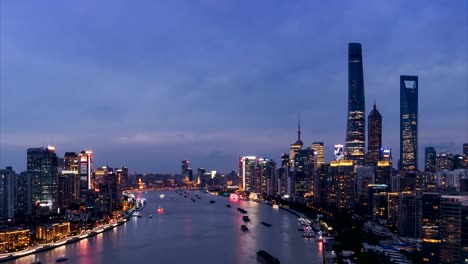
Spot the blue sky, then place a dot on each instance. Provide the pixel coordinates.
(149, 83)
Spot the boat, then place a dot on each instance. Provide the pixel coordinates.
(162, 196)
(264, 258)
(160, 210)
(266, 224)
(61, 259)
(150, 216)
(212, 202)
(245, 218)
(275, 206)
(227, 205)
(244, 228)
(308, 232)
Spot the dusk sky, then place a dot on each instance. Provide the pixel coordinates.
(147, 84)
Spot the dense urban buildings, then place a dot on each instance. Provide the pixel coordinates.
(355, 132)
(408, 123)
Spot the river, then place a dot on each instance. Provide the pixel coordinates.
(191, 232)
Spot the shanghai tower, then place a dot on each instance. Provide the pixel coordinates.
(355, 132)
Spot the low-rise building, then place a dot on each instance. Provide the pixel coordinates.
(52, 232)
(14, 239)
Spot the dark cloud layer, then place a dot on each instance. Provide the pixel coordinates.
(147, 84)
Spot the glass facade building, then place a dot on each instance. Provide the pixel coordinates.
(355, 132)
(408, 122)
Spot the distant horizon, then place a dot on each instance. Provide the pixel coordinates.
(147, 86)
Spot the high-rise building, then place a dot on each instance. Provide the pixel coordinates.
(42, 164)
(23, 194)
(431, 227)
(409, 217)
(452, 209)
(383, 173)
(355, 132)
(85, 171)
(263, 176)
(304, 162)
(246, 166)
(408, 123)
(200, 173)
(284, 181)
(8, 188)
(374, 133)
(184, 169)
(444, 161)
(296, 146)
(342, 184)
(430, 159)
(319, 153)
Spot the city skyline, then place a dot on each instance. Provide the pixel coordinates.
(121, 88)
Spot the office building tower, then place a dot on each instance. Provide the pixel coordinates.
(42, 165)
(408, 123)
(444, 161)
(374, 133)
(364, 176)
(200, 173)
(190, 174)
(8, 185)
(304, 162)
(321, 185)
(70, 161)
(284, 175)
(184, 170)
(23, 195)
(431, 227)
(319, 153)
(452, 217)
(263, 176)
(296, 146)
(246, 166)
(85, 172)
(378, 202)
(355, 132)
(342, 184)
(430, 159)
(409, 217)
(68, 191)
(383, 173)
(125, 179)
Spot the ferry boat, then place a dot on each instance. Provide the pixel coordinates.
(245, 218)
(162, 196)
(266, 224)
(61, 259)
(244, 228)
(275, 206)
(150, 216)
(212, 202)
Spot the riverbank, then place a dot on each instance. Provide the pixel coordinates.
(40, 248)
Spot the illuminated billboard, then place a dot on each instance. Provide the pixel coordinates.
(339, 152)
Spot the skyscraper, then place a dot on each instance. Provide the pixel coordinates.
(85, 170)
(430, 159)
(374, 140)
(319, 149)
(408, 122)
(355, 132)
(43, 167)
(246, 166)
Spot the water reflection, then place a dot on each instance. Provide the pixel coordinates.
(190, 232)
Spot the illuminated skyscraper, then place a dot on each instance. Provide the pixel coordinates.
(465, 155)
(246, 166)
(184, 169)
(408, 122)
(304, 162)
(374, 140)
(319, 149)
(355, 132)
(430, 159)
(43, 168)
(85, 170)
